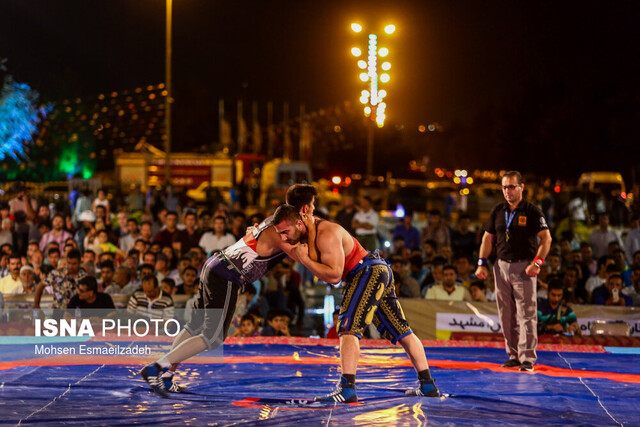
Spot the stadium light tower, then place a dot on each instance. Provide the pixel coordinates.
(375, 73)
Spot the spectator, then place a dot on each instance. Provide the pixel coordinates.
(332, 332)
(103, 245)
(22, 205)
(106, 273)
(587, 258)
(247, 327)
(63, 282)
(88, 296)
(448, 290)
(633, 292)
(632, 241)
(101, 200)
(410, 234)
(185, 240)
(57, 233)
(577, 207)
(365, 223)
(189, 285)
(27, 281)
(6, 234)
(436, 230)
(162, 266)
(602, 236)
(128, 239)
(168, 286)
(430, 249)
(555, 317)
(417, 268)
(122, 283)
(274, 325)
(238, 225)
(406, 286)
(166, 235)
(344, 217)
(575, 293)
(463, 240)
(204, 221)
(146, 231)
(611, 293)
(53, 257)
(218, 238)
(464, 271)
(478, 291)
(11, 281)
(150, 302)
(601, 277)
(242, 308)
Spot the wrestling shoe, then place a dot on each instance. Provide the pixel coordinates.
(152, 374)
(344, 393)
(511, 363)
(170, 385)
(427, 388)
(526, 367)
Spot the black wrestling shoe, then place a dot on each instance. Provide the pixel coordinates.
(152, 374)
(344, 393)
(511, 363)
(172, 386)
(427, 388)
(526, 367)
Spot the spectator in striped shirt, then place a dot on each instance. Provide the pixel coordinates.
(151, 302)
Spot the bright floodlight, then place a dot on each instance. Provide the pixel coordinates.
(383, 52)
(364, 77)
(382, 94)
(356, 52)
(386, 66)
(356, 27)
(362, 64)
(389, 29)
(367, 110)
(364, 99)
(365, 93)
(384, 78)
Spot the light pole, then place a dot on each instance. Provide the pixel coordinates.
(167, 100)
(373, 97)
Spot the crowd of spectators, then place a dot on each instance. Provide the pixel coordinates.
(151, 248)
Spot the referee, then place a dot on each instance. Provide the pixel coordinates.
(514, 228)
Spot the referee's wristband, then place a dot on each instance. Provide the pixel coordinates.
(482, 262)
(538, 261)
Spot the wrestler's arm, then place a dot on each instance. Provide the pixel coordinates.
(310, 223)
(330, 246)
(274, 239)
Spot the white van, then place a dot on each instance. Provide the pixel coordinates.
(595, 182)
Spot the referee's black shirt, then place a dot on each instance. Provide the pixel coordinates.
(527, 223)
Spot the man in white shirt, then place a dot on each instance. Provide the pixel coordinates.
(632, 241)
(364, 223)
(217, 239)
(602, 236)
(448, 290)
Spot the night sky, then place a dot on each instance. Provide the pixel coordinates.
(557, 76)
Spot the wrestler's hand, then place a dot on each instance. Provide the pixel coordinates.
(302, 251)
(308, 220)
(532, 270)
(482, 273)
(250, 228)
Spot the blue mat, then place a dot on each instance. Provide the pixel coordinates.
(279, 394)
